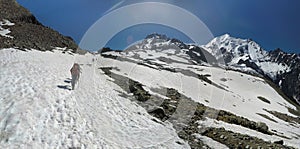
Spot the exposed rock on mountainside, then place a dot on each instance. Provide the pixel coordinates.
(27, 32)
(288, 82)
(170, 78)
(164, 111)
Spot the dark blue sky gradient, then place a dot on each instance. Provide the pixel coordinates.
(272, 24)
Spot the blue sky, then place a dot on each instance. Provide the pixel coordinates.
(272, 24)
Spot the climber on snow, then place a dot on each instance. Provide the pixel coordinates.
(75, 72)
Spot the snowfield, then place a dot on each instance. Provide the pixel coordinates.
(38, 109)
(234, 92)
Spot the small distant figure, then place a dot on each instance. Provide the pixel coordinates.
(75, 72)
(94, 59)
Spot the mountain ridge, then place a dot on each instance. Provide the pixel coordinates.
(229, 52)
(27, 32)
(279, 66)
(144, 69)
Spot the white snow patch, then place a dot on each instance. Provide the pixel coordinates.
(273, 69)
(210, 142)
(4, 32)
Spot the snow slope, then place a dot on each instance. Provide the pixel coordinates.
(38, 110)
(231, 91)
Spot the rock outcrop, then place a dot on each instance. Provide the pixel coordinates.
(28, 32)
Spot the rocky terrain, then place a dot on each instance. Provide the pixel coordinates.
(27, 32)
(288, 82)
(164, 111)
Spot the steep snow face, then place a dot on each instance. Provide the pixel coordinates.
(38, 109)
(4, 31)
(242, 53)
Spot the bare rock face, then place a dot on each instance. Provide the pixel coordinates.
(290, 81)
(28, 32)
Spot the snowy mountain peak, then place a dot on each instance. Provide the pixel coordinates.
(157, 47)
(223, 37)
(247, 56)
(237, 47)
(244, 54)
(157, 36)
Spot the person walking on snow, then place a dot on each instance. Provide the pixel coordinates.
(75, 72)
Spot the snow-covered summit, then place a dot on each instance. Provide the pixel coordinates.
(157, 47)
(158, 42)
(236, 49)
(245, 54)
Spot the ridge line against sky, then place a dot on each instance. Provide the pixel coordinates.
(272, 24)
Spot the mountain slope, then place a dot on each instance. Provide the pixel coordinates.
(211, 102)
(160, 93)
(27, 32)
(247, 56)
(288, 82)
(38, 110)
(138, 98)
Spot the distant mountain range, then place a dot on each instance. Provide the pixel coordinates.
(247, 56)
(243, 55)
(169, 78)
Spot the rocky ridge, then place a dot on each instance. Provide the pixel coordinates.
(28, 32)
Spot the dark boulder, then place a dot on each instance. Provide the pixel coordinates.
(279, 142)
(158, 113)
